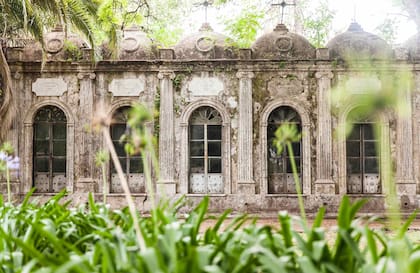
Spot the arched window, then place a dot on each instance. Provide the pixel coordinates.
(280, 175)
(132, 165)
(49, 149)
(362, 159)
(205, 146)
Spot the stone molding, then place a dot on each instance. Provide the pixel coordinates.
(28, 143)
(87, 75)
(341, 144)
(184, 151)
(167, 132)
(127, 87)
(245, 133)
(324, 169)
(49, 87)
(306, 142)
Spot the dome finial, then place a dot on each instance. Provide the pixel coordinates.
(205, 4)
(283, 4)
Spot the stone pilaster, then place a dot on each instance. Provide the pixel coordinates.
(324, 183)
(246, 182)
(166, 135)
(84, 136)
(405, 174)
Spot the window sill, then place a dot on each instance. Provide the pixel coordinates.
(122, 194)
(284, 195)
(206, 194)
(365, 194)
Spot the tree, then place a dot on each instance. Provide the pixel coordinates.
(316, 22)
(29, 18)
(412, 7)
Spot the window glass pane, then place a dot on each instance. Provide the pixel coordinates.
(41, 147)
(42, 114)
(59, 131)
(370, 149)
(355, 132)
(59, 148)
(119, 148)
(196, 131)
(371, 165)
(197, 148)
(275, 165)
(215, 148)
(215, 165)
(136, 165)
(368, 131)
(117, 130)
(123, 162)
(197, 165)
(214, 132)
(272, 152)
(296, 148)
(59, 165)
(41, 131)
(289, 165)
(353, 166)
(41, 164)
(352, 148)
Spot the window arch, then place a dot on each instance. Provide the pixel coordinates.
(132, 165)
(205, 151)
(362, 159)
(280, 175)
(50, 149)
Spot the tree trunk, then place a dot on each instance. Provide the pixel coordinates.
(7, 107)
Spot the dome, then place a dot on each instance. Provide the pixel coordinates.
(357, 43)
(134, 45)
(57, 47)
(205, 44)
(413, 46)
(281, 44)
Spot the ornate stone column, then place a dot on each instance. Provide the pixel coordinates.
(324, 183)
(85, 181)
(246, 184)
(405, 174)
(166, 181)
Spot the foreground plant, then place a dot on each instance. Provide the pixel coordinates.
(8, 163)
(55, 238)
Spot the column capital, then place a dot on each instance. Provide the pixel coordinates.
(324, 74)
(245, 74)
(166, 74)
(87, 75)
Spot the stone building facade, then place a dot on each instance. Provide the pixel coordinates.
(218, 110)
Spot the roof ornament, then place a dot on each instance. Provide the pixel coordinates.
(283, 4)
(205, 4)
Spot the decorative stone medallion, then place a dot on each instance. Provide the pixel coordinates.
(284, 43)
(204, 44)
(54, 45)
(126, 87)
(49, 87)
(130, 44)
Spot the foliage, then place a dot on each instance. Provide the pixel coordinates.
(317, 22)
(388, 29)
(55, 238)
(243, 28)
(411, 8)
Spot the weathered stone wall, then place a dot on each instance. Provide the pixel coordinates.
(244, 88)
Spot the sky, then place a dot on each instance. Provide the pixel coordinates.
(368, 13)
